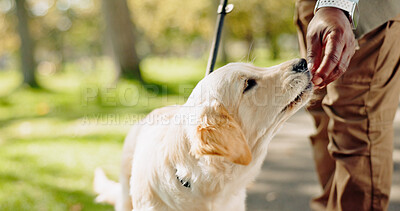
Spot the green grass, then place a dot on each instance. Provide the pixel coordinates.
(52, 139)
(54, 173)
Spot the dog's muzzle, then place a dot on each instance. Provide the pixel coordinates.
(300, 66)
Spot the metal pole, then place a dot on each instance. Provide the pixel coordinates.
(223, 9)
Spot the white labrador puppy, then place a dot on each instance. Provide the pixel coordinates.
(200, 156)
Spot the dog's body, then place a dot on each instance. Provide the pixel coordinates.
(201, 155)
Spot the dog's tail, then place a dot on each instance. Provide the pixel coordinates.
(108, 191)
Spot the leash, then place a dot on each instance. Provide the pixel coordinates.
(223, 9)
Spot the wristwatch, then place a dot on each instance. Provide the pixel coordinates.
(348, 6)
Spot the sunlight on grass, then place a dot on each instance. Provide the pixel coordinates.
(9, 81)
(54, 174)
(169, 70)
(75, 76)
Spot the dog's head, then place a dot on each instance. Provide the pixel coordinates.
(240, 102)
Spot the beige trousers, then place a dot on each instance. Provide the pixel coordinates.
(353, 116)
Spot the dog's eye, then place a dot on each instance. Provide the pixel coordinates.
(250, 83)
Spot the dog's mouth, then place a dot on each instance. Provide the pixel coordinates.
(299, 98)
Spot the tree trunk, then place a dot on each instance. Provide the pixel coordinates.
(120, 29)
(28, 63)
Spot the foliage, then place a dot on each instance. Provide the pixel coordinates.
(267, 19)
(173, 25)
(72, 30)
(63, 30)
(261, 17)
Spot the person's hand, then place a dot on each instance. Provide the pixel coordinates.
(330, 45)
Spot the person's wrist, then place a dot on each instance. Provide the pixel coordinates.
(349, 7)
(345, 13)
(334, 9)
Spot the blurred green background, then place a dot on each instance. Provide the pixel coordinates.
(76, 74)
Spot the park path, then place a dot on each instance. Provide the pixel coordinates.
(287, 181)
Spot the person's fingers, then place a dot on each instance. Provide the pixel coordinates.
(314, 50)
(344, 63)
(333, 52)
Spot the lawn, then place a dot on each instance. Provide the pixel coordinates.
(52, 139)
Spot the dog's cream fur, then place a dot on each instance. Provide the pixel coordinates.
(216, 141)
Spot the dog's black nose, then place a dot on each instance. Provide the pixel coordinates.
(300, 66)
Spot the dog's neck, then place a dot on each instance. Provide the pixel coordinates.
(210, 176)
(206, 174)
(211, 173)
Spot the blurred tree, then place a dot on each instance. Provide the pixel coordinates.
(175, 27)
(68, 34)
(277, 17)
(120, 28)
(28, 63)
(257, 19)
(240, 23)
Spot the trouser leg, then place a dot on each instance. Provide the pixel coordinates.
(324, 163)
(361, 106)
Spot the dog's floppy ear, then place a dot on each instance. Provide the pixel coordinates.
(217, 133)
